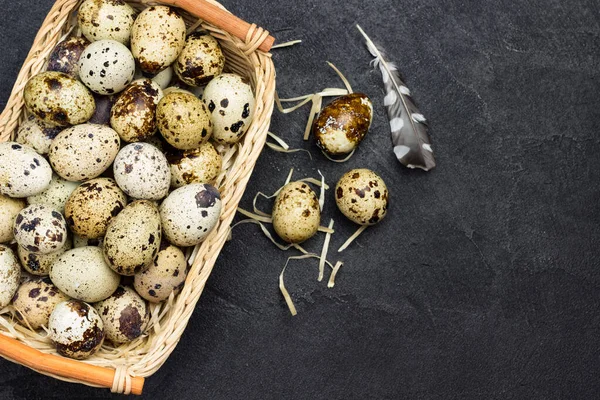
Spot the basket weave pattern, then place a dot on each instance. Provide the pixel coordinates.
(145, 355)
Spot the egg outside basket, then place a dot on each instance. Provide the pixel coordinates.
(124, 368)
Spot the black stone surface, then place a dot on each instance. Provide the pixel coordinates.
(482, 282)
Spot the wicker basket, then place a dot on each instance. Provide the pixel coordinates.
(123, 368)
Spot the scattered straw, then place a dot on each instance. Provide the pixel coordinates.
(337, 267)
(352, 238)
(286, 44)
(324, 253)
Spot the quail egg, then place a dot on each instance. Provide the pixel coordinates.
(35, 300)
(10, 273)
(165, 275)
(36, 134)
(142, 171)
(65, 56)
(106, 66)
(296, 213)
(162, 79)
(183, 120)
(361, 195)
(79, 241)
(201, 165)
(56, 195)
(200, 60)
(124, 314)
(9, 209)
(76, 329)
(106, 19)
(23, 172)
(39, 264)
(40, 229)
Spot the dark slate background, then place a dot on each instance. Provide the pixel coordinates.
(482, 282)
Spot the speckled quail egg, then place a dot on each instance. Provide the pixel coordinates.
(361, 195)
(23, 172)
(83, 274)
(296, 213)
(39, 264)
(79, 241)
(157, 38)
(171, 89)
(65, 56)
(40, 229)
(35, 300)
(201, 165)
(133, 238)
(200, 60)
(343, 123)
(106, 67)
(165, 275)
(36, 134)
(183, 120)
(56, 195)
(58, 99)
(103, 106)
(84, 151)
(124, 314)
(231, 104)
(142, 171)
(133, 115)
(106, 19)
(92, 205)
(10, 273)
(9, 209)
(189, 213)
(162, 79)
(76, 329)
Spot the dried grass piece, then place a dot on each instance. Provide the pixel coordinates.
(342, 77)
(282, 146)
(352, 238)
(337, 267)
(342, 160)
(324, 253)
(286, 44)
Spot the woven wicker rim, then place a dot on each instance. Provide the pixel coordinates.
(145, 355)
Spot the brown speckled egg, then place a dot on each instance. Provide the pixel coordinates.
(200, 60)
(84, 151)
(133, 238)
(343, 123)
(190, 213)
(231, 103)
(361, 195)
(296, 213)
(39, 264)
(40, 229)
(165, 275)
(92, 205)
(56, 195)
(76, 329)
(36, 134)
(106, 19)
(58, 99)
(142, 171)
(83, 274)
(23, 172)
(106, 67)
(35, 300)
(10, 274)
(133, 115)
(157, 38)
(171, 89)
(183, 120)
(124, 314)
(201, 165)
(65, 56)
(9, 209)
(104, 105)
(78, 241)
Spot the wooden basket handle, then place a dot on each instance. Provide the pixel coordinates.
(48, 363)
(220, 18)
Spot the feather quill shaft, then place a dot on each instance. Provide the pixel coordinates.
(412, 144)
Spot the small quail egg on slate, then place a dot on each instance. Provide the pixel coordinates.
(165, 275)
(84, 151)
(65, 56)
(343, 123)
(106, 19)
(296, 213)
(56, 195)
(40, 229)
(183, 120)
(190, 213)
(157, 38)
(10, 272)
(133, 238)
(201, 165)
(23, 172)
(92, 205)
(39, 264)
(124, 314)
(133, 115)
(106, 66)
(142, 171)
(78, 241)
(231, 104)
(36, 134)
(361, 195)
(103, 106)
(162, 79)
(200, 60)
(58, 99)
(76, 329)
(9, 209)
(35, 300)
(83, 274)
